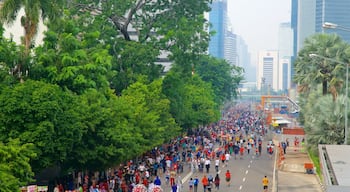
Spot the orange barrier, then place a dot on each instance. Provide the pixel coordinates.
(309, 168)
(280, 156)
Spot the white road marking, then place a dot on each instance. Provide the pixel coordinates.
(243, 179)
(246, 172)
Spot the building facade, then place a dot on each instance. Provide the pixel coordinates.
(218, 20)
(333, 11)
(230, 48)
(267, 70)
(306, 21)
(285, 49)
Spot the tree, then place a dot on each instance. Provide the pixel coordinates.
(72, 59)
(32, 10)
(10, 56)
(134, 60)
(152, 113)
(192, 100)
(327, 125)
(223, 77)
(42, 114)
(314, 70)
(175, 27)
(15, 170)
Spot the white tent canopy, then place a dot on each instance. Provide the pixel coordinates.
(282, 121)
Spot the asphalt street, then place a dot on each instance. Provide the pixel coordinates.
(246, 173)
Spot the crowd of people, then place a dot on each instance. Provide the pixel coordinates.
(238, 133)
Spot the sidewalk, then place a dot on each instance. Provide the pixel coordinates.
(292, 176)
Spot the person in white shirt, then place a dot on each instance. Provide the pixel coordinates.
(150, 187)
(207, 164)
(227, 158)
(217, 164)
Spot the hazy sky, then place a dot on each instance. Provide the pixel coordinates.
(257, 21)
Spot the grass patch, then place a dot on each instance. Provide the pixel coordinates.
(316, 161)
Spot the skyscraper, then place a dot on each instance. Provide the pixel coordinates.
(306, 21)
(285, 48)
(267, 77)
(218, 20)
(230, 48)
(294, 27)
(243, 60)
(333, 11)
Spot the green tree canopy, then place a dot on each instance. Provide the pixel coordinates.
(33, 10)
(223, 77)
(15, 170)
(41, 113)
(72, 59)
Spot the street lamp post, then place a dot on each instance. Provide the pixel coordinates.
(346, 92)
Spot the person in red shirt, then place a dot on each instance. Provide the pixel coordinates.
(205, 182)
(223, 158)
(241, 151)
(145, 182)
(137, 177)
(228, 178)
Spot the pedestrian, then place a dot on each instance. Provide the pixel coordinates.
(236, 150)
(157, 181)
(174, 187)
(223, 158)
(249, 147)
(167, 177)
(195, 184)
(190, 185)
(241, 151)
(227, 158)
(228, 178)
(284, 147)
(207, 164)
(151, 186)
(209, 186)
(217, 182)
(270, 150)
(265, 182)
(179, 183)
(217, 164)
(205, 182)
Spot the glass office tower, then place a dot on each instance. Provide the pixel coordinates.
(218, 20)
(333, 11)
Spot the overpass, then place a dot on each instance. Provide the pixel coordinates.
(266, 99)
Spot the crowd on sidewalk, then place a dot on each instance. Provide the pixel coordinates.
(239, 132)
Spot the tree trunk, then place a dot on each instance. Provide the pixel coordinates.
(324, 88)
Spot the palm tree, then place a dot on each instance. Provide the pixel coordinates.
(318, 70)
(33, 10)
(324, 120)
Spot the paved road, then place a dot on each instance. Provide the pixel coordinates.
(247, 173)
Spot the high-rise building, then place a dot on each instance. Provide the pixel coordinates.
(294, 26)
(306, 21)
(243, 60)
(333, 11)
(284, 75)
(218, 20)
(267, 76)
(285, 48)
(230, 48)
(312, 14)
